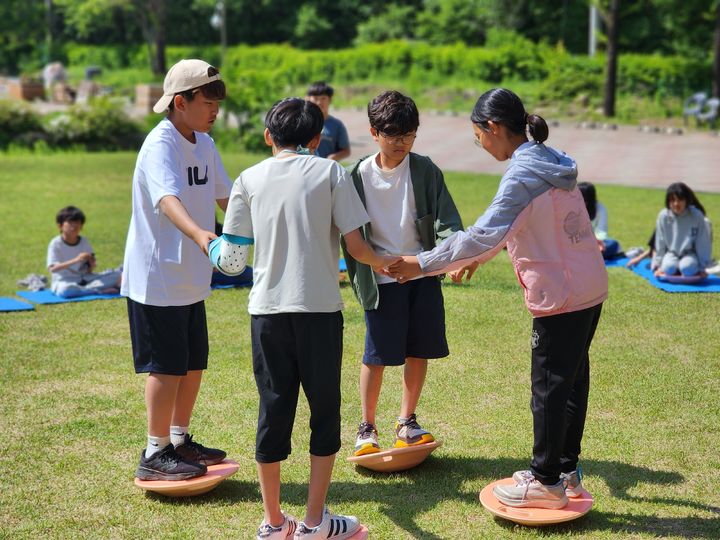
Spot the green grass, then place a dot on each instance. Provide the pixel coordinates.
(72, 416)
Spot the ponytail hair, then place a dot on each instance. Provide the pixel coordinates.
(504, 107)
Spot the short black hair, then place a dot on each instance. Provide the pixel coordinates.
(214, 90)
(70, 213)
(320, 88)
(392, 113)
(294, 122)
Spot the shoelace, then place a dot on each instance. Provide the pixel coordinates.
(171, 457)
(411, 422)
(366, 428)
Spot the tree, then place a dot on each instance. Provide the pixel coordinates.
(611, 15)
(716, 52)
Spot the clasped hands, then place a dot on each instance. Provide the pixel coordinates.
(406, 268)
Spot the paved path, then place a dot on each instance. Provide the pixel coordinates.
(625, 156)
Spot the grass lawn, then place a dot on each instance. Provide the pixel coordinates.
(72, 416)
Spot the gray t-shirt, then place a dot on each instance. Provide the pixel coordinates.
(60, 252)
(294, 208)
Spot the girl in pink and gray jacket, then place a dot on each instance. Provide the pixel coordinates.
(540, 215)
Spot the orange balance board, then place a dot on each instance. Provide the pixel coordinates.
(396, 459)
(362, 534)
(195, 486)
(536, 517)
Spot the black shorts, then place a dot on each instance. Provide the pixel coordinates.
(290, 349)
(408, 322)
(170, 340)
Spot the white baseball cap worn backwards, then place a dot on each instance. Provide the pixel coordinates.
(183, 76)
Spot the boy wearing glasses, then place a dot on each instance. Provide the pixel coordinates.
(410, 209)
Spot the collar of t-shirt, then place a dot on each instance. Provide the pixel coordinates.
(392, 174)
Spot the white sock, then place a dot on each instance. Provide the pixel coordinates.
(177, 435)
(155, 444)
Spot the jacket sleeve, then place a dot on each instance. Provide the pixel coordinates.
(661, 239)
(703, 242)
(481, 241)
(448, 218)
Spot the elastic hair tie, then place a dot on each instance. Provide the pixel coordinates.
(301, 149)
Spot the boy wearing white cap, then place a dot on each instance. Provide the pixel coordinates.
(177, 181)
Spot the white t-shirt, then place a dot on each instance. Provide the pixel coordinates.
(295, 208)
(390, 203)
(60, 252)
(163, 267)
(600, 223)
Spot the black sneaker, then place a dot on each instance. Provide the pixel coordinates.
(167, 464)
(192, 451)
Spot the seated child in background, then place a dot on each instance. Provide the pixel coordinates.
(334, 142)
(683, 242)
(410, 209)
(71, 260)
(293, 208)
(599, 219)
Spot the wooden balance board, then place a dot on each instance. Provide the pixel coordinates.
(396, 459)
(195, 486)
(535, 517)
(362, 534)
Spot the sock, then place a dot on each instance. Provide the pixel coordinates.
(177, 435)
(155, 444)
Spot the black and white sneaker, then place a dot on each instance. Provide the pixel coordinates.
(196, 452)
(167, 464)
(332, 527)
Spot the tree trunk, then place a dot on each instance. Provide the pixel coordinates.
(152, 22)
(612, 58)
(716, 54)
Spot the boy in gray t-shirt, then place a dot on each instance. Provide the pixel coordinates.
(71, 260)
(293, 207)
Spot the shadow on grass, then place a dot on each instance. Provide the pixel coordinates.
(404, 496)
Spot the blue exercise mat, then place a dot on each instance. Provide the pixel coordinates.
(618, 261)
(709, 284)
(10, 304)
(47, 297)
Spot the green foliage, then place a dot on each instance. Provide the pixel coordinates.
(101, 126)
(19, 124)
(312, 28)
(393, 23)
(450, 21)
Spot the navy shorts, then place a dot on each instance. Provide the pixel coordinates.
(408, 322)
(290, 350)
(169, 340)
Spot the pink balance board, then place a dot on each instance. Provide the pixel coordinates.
(396, 459)
(535, 517)
(687, 280)
(362, 534)
(195, 486)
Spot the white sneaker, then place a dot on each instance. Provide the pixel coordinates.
(573, 480)
(532, 494)
(284, 531)
(332, 526)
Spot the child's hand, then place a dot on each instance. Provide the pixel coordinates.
(405, 269)
(457, 275)
(203, 238)
(387, 260)
(84, 257)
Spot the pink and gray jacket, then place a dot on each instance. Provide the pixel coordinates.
(539, 214)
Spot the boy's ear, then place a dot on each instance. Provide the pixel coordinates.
(315, 142)
(179, 102)
(268, 138)
(374, 133)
